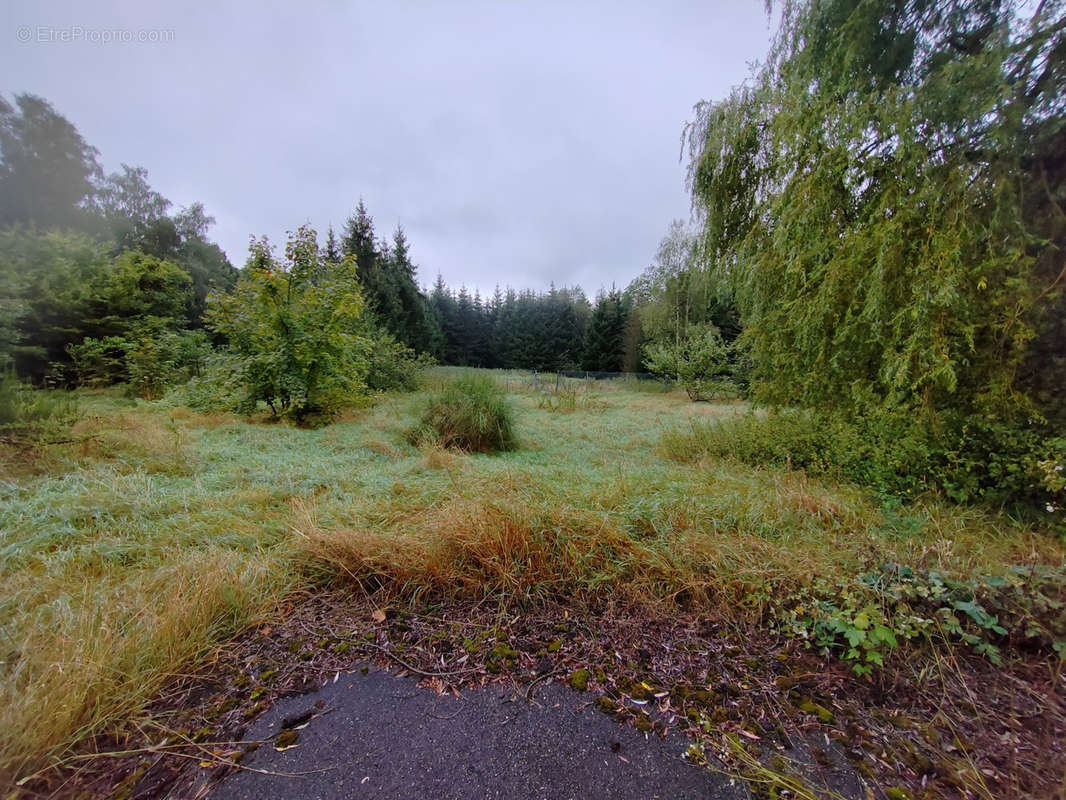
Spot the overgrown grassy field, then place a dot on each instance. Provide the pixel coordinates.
(127, 554)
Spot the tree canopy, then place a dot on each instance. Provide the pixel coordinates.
(885, 196)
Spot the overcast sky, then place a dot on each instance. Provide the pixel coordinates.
(517, 143)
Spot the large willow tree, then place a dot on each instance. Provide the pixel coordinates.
(886, 197)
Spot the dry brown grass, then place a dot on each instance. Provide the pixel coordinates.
(107, 642)
(383, 448)
(498, 545)
(202, 420)
(155, 440)
(436, 456)
(764, 534)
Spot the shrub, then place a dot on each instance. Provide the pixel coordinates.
(1003, 462)
(702, 363)
(154, 363)
(863, 620)
(217, 387)
(393, 365)
(98, 362)
(470, 414)
(299, 328)
(148, 358)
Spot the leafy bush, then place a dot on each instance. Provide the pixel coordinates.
(29, 415)
(217, 387)
(154, 363)
(148, 358)
(863, 620)
(97, 362)
(1002, 462)
(471, 414)
(299, 329)
(393, 365)
(702, 363)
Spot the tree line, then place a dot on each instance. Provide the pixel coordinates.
(559, 329)
(92, 265)
(102, 281)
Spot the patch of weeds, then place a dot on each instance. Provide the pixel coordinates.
(863, 621)
(29, 416)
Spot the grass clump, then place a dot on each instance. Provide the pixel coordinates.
(499, 543)
(470, 414)
(28, 416)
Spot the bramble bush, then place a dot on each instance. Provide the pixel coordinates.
(863, 620)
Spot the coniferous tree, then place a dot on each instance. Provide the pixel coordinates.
(331, 253)
(416, 326)
(381, 297)
(606, 334)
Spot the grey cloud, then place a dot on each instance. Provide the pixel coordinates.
(517, 143)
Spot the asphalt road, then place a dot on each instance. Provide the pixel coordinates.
(380, 736)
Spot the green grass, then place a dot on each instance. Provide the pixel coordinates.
(471, 414)
(128, 555)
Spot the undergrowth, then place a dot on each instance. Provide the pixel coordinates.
(863, 619)
(1012, 464)
(29, 416)
(161, 530)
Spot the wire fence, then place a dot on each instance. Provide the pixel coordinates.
(554, 382)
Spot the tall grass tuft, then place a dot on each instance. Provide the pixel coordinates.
(29, 415)
(500, 544)
(96, 653)
(470, 414)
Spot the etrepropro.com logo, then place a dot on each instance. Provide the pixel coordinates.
(72, 34)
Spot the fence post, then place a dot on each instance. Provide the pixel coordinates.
(536, 383)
